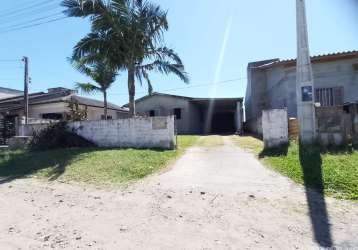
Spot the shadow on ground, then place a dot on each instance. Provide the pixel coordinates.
(277, 151)
(50, 164)
(311, 164)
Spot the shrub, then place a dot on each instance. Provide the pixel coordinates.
(57, 136)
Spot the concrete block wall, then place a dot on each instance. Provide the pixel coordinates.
(331, 126)
(34, 125)
(276, 86)
(253, 126)
(275, 127)
(141, 132)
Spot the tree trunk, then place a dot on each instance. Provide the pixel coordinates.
(131, 91)
(105, 108)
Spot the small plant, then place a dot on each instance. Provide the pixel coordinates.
(57, 136)
(76, 113)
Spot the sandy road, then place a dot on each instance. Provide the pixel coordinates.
(216, 197)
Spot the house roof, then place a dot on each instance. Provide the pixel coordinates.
(314, 59)
(64, 95)
(186, 98)
(8, 90)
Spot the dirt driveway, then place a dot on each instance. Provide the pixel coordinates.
(215, 197)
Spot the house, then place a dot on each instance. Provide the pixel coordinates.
(272, 85)
(57, 104)
(6, 93)
(195, 115)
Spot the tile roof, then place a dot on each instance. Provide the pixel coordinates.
(314, 59)
(65, 95)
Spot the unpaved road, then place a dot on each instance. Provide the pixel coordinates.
(216, 197)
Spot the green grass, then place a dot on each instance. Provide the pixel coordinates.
(90, 165)
(333, 172)
(210, 141)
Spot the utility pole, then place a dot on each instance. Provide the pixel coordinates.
(26, 88)
(305, 84)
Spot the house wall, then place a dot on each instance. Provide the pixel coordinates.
(165, 105)
(275, 87)
(93, 113)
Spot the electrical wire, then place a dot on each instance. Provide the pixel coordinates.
(33, 25)
(187, 87)
(31, 21)
(24, 9)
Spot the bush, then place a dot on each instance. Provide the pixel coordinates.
(57, 136)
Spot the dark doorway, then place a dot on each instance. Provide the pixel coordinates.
(223, 123)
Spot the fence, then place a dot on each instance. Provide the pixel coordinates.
(275, 127)
(337, 125)
(139, 132)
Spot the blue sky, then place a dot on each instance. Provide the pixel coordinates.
(216, 40)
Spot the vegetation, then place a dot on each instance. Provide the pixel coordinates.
(129, 35)
(332, 171)
(210, 141)
(57, 136)
(90, 165)
(102, 74)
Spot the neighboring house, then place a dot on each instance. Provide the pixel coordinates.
(6, 93)
(192, 114)
(272, 84)
(56, 104)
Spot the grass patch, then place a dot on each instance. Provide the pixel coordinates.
(333, 172)
(89, 165)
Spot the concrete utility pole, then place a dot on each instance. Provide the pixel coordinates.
(26, 89)
(305, 85)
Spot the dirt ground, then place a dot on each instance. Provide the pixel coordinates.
(214, 197)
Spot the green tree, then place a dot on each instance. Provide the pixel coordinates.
(102, 74)
(130, 35)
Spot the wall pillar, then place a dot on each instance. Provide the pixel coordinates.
(239, 118)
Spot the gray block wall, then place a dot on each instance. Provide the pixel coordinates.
(275, 127)
(141, 132)
(274, 87)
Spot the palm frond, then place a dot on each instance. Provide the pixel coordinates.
(87, 88)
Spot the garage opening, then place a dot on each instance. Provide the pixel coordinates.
(218, 115)
(223, 123)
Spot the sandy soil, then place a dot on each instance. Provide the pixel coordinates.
(212, 198)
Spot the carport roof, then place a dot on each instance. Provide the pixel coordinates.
(193, 99)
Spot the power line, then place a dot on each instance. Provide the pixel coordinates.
(31, 21)
(24, 9)
(33, 25)
(29, 14)
(188, 87)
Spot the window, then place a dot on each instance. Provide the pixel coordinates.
(52, 116)
(177, 113)
(152, 113)
(329, 97)
(355, 66)
(109, 117)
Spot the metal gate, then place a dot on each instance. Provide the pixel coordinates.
(7, 129)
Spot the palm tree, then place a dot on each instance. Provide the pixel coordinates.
(129, 34)
(102, 74)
